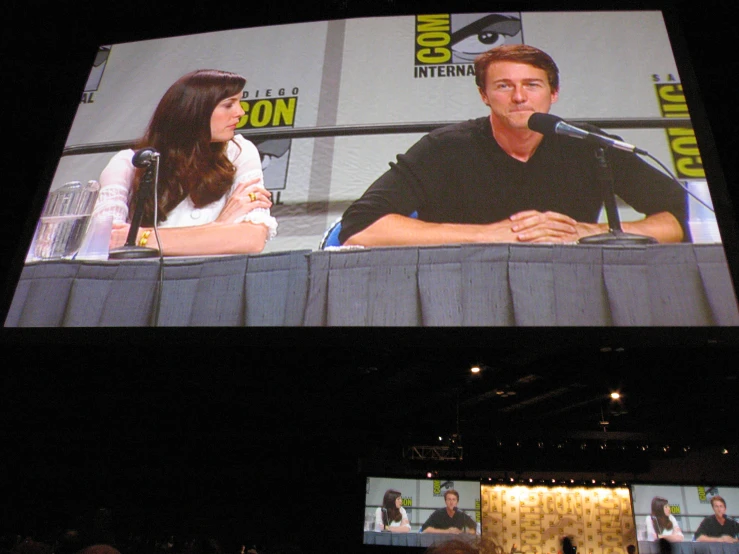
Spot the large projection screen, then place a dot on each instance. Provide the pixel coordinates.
(329, 117)
(420, 498)
(689, 506)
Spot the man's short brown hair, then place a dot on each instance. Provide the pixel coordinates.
(451, 491)
(719, 498)
(517, 53)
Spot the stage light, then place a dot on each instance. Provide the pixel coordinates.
(615, 395)
(725, 451)
(475, 369)
(429, 474)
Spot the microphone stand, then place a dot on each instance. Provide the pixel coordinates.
(130, 250)
(615, 235)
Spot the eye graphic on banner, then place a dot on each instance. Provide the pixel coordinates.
(96, 75)
(447, 44)
(270, 112)
(706, 493)
(440, 487)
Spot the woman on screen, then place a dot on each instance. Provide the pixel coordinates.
(211, 198)
(391, 515)
(661, 524)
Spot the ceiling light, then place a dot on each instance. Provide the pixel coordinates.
(475, 369)
(615, 395)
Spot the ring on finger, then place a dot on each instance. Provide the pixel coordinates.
(252, 196)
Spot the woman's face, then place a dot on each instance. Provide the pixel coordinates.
(225, 118)
(398, 502)
(667, 510)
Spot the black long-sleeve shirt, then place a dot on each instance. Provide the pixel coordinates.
(459, 174)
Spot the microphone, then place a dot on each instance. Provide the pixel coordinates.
(385, 519)
(148, 159)
(143, 158)
(548, 124)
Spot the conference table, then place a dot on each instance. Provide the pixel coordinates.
(688, 547)
(456, 285)
(413, 539)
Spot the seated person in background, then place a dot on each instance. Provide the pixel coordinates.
(449, 519)
(718, 527)
(392, 516)
(211, 198)
(661, 524)
(493, 179)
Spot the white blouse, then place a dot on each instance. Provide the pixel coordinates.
(116, 188)
(402, 523)
(652, 534)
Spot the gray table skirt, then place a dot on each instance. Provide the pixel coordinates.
(423, 540)
(688, 547)
(467, 285)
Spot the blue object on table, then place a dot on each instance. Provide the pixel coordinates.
(331, 236)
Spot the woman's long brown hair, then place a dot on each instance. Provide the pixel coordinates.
(190, 164)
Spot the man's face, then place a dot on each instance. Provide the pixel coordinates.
(513, 91)
(451, 502)
(719, 508)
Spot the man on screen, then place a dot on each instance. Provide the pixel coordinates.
(493, 179)
(718, 527)
(449, 519)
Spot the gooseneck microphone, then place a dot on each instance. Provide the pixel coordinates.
(548, 124)
(147, 159)
(143, 158)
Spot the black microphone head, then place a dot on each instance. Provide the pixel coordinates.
(544, 123)
(143, 158)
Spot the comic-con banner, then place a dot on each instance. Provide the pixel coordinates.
(447, 44)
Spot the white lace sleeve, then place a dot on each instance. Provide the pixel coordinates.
(261, 216)
(115, 187)
(249, 166)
